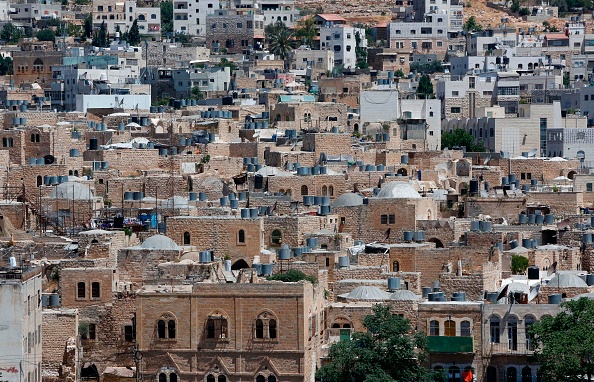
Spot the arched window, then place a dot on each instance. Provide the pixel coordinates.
(259, 328)
(222, 378)
(81, 290)
(38, 65)
(32, 137)
(324, 191)
(95, 290)
(260, 378)
(162, 377)
(172, 377)
(272, 328)
(528, 322)
(210, 378)
(187, 238)
(395, 266)
(465, 329)
(512, 374)
(39, 180)
(449, 328)
(216, 327)
(276, 237)
(331, 190)
(304, 190)
(171, 330)
(491, 374)
(494, 322)
(161, 329)
(454, 374)
(271, 378)
(491, 132)
(241, 236)
(526, 374)
(434, 328)
(512, 332)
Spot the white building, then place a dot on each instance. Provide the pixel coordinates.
(20, 324)
(453, 8)
(29, 13)
(122, 16)
(341, 39)
(207, 80)
(106, 101)
(279, 10)
(189, 16)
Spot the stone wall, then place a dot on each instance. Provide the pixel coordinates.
(59, 333)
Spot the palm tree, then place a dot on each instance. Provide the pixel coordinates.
(307, 31)
(281, 41)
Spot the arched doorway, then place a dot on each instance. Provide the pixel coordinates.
(239, 264)
(571, 174)
(438, 243)
(402, 171)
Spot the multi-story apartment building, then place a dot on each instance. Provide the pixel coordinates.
(453, 8)
(478, 43)
(122, 15)
(189, 16)
(20, 302)
(211, 80)
(234, 30)
(428, 36)
(342, 40)
(316, 62)
(30, 13)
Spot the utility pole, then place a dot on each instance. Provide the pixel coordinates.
(137, 358)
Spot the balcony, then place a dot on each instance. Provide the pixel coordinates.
(510, 348)
(338, 334)
(444, 344)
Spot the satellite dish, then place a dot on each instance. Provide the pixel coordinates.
(532, 153)
(487, 159)
(49, 159)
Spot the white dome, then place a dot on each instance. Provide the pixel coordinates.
(72, 191)
(159, 242)
(401, 295)
(366, 292)
(567, 280)
(398, 190)
(350, 199)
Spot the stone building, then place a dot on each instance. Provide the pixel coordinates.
(34, 63)
(273, 336)
(234, 31)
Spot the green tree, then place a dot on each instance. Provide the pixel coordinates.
(166, 16)
(459, 138)
(46, 35)
(524, 11)
(425, 88)
(5, 66)
(399, 73)
(196, 93)
(387, 352)
(100, 37)
(515, 7)
(549, 28)
(10, 33)
(88, 26)
(472, 25)
(519, 264)
(360, 52)
(306, 31)
(281, 40)
(292, 276)
(133, 35)
(224, 62)
(564, 344)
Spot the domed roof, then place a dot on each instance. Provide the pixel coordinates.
(72, 191)
(398, 190)
(589, 296)
(402, 295)
(366, 293)
(194, 256)
(515, 287)
(350, 199)
(159, 242)
(567, 280)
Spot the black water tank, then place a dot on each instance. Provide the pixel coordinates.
(93, 144)
(258, 181)
(533, 273)
(474, 187)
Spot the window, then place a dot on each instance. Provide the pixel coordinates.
(304, 190)
(276, 237)
(272, 328)
(449, 328)
(129, 334)
(81, 290)
(95, 290)
(100, 8)
(331, 190)
(166, 328)
(588, 187)
(187, 238)
(163, 377)
(391, 219)
(153, 16)
(92, 331)
(465, 328)
(494, 329)
(172, 377)
(434, 328)
(216, 327)
(455, 110)
(239, 25)
(384, 219)
(222, 378)
(512, 374)
(241, 236)
(455, 93)
(259, 328)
